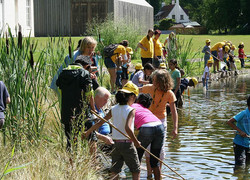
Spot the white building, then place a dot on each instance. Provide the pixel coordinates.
(173, 11)
(14, 13)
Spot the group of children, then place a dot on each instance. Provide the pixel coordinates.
(223, 52)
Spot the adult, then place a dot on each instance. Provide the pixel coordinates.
(147, 48)
(171, 45)
(119, 55)
(86, 46)
(142, 77)
(76, 87)
(4, 99)
(215, 49)
(158, 54)
(101, 98)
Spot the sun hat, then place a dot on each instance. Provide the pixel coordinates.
(138, 66)
(208, 41)
(129, 50)
(227, 48)
(233, 46)
(195, 81)
(163, 65)
(241, 43)
(130, 87)
(210, 61)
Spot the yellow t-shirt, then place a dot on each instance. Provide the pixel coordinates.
(157, 47)
(120, 50)
(217, 45)
(159, 110)
(150, 48)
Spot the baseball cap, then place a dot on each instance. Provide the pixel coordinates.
(130, 87)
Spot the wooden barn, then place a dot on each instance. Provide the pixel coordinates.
(69, 17)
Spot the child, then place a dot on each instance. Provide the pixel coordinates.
(241, 139)
(185, 82)
(142, 77)
(206, 74)
(206, 50)
(176, 76)
(138, 67)
(125, 66)
(118, 81)
(161, 93)
(241, 54)
(123, 118)
(231, 59)
(151, 131)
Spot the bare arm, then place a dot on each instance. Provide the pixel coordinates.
(231, 122)
(174, 118)
(128, 129)
(106, 139)
(141, 46)
(141, 81)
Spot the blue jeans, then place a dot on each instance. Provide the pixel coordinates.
(205, 83)
(154, 136)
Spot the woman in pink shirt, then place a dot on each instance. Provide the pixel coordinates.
(151, 131)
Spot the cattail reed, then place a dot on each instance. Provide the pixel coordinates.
(70, 53)
(20, 37)
(31, 56)
(7, 44)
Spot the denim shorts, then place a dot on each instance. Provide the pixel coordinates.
(154, 136)
(124, 152)
(109, 63)
(242, 155)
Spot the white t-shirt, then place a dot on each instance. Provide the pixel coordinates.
(120, 114)
(206, 70)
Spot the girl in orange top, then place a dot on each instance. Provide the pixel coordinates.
(162, 94)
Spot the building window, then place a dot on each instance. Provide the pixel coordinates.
(173, 16)
(182, 17)
(28, 13)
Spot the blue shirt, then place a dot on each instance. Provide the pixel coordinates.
(243, 123)
(4, 94)
(105, 128)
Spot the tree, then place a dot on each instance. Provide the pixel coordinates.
(156, 5)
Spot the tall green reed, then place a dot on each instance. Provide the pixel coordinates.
(186, 57)
(27, 87)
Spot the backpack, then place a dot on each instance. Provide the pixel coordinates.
(108, 51)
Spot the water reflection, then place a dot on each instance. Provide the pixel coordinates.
(204, 147)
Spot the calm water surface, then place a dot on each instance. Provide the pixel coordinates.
(203, 149)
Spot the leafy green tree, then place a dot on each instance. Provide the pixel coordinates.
(156, 5)
(165, 24)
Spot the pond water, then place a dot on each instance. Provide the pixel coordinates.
(203, 148)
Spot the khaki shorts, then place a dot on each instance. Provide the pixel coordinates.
(124, 152)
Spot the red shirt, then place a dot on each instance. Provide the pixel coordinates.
(241, 53)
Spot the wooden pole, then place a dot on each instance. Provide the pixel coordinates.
(140, 145)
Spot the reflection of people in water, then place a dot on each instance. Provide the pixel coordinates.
(243, 87)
